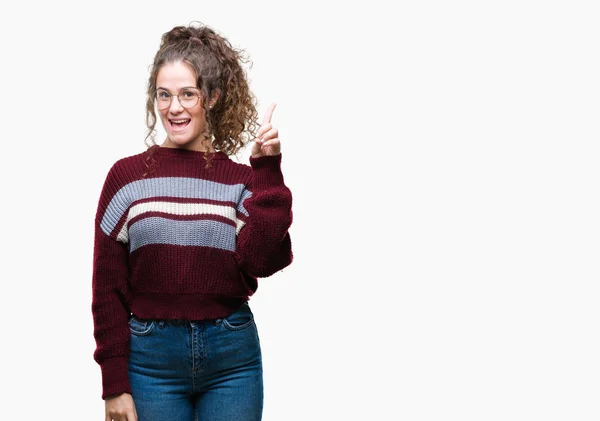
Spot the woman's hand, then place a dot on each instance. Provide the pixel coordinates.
(267, 141)
(120, 408)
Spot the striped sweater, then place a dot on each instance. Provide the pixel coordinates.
(183, 242)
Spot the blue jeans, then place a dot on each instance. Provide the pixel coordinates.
(197, 370)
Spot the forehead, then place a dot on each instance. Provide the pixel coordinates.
(175, 75)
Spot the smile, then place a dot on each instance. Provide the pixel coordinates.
(179, 124)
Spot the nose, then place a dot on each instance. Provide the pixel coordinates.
(175, 105)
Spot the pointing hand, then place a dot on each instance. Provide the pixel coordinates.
(267, 140)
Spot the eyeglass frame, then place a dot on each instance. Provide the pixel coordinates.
(198, 95)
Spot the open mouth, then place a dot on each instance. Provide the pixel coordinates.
(180, 123)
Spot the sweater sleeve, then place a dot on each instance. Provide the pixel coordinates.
(263, 243)
(110, 292)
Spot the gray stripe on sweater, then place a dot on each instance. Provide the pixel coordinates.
(203, 232)
(171, 186)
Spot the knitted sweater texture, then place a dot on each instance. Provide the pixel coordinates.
(183, 242)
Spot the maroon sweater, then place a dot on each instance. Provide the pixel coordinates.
(184, 242)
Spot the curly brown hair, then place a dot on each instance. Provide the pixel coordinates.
(232, 121)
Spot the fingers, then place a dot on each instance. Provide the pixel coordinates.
(269, 114)
(271, 134)
(121, 408)
(129, 416)
(267, 137)
(263, 129)
(272, 142)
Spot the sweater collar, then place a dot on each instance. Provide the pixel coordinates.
(186, 153)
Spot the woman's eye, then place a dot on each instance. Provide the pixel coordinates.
(188, 94)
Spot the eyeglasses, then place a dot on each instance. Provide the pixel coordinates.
(187, 97)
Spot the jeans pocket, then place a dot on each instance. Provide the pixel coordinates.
(240, 319)
(140, 327)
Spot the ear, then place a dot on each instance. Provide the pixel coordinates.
(215, 97)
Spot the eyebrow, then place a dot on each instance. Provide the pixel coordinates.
(185, 87)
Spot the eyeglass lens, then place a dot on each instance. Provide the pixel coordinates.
(188, 98)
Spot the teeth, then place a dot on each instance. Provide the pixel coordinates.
(180, 121)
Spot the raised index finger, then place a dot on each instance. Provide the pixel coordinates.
(269, 113)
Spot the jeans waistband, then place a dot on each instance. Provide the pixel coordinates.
(217, 321)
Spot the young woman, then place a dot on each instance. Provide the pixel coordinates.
(182, 233)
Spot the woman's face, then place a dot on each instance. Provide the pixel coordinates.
(184, 126)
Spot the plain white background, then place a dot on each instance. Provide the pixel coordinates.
(443, 159)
